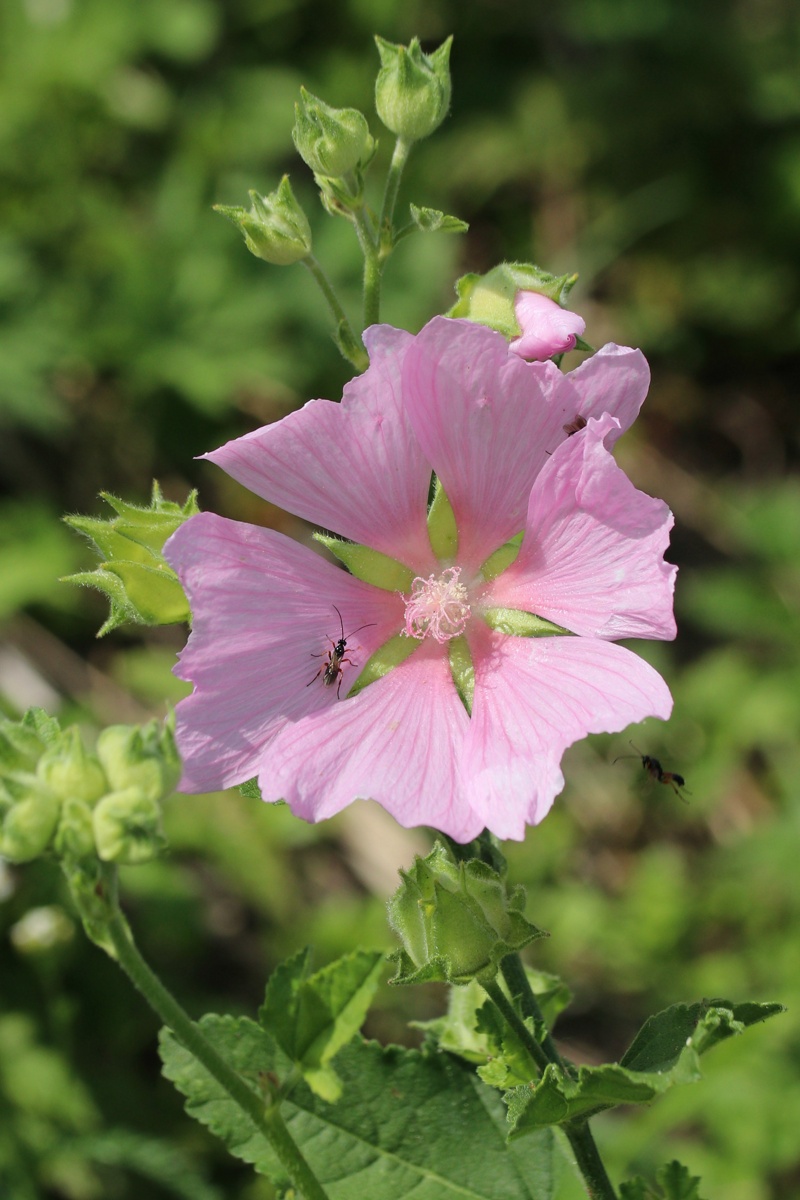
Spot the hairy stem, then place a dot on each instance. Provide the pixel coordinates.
(267, 1120)
(359, 360)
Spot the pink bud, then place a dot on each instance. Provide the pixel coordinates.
(547, 328)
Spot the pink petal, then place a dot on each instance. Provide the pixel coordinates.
(354, 468)
(547, 328)
(614, 380)
(484, 419)
(533, 698)
(263, 623)
(592, 557)
(398, 742)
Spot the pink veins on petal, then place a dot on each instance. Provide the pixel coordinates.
(504, 438)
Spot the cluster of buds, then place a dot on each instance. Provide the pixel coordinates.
(57, 797)
(456, 920)
(412, 98)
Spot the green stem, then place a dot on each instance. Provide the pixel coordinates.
(519, 985)
(588, 1161)
(375, 255)
(515, 1022)
(373, 268)
(357, 357)
(267, 1120)
(402, 149)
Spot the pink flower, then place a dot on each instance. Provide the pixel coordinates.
(497, 432)
(547, 328)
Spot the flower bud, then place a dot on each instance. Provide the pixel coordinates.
(22, 742)
(127, 827)
(74, 837)
(547, 328)
(140, 757)
(40, 929)
(412, 91)
(526, 305)
(332, 141)
(28, 815)
(70, 771)
(456, 920)
(276, 228)
(134, 575)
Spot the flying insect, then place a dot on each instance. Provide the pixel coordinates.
(656, 771)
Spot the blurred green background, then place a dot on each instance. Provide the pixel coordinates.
(655, 148)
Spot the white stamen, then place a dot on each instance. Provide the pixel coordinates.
(437, 607)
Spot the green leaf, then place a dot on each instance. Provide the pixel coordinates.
(394, 1135)
(673, 1182)
(312, 1017)
(431, 220)
(661, 1040)
(665, 1052)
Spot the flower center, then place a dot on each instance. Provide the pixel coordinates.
(437, 606)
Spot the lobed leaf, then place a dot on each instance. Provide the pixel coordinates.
(393, 1136)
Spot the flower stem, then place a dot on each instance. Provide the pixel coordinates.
(376, 253)
(402, 149)
(587, 1157)
(519, 985)
(515, 1022)
(267, 1119)
(357, 357)
(587, 1160)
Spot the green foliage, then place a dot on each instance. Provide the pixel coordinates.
(311, 1017)
(673, 1183)
(393, 1135)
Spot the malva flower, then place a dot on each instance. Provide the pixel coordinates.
(547, 328)
(485, 657)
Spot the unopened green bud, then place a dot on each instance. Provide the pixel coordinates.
(456, 920)
(41, 929)
(28, 816)
(142, 757)
(127, 827)
(332, 141)
(70, 771)
(276, 228)
(134, 575)
(22, 742)
(74, 838)
(412, 91)
(490, 299)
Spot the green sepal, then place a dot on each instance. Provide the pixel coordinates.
(370, 565)
(22, 742)
(331, 141)
(29, 812)
(502, 558)
(388, 656)
(311, 1017)
(456, 920)
(135, 577)
(251, 789)
(431, 220)
(412, 90)
(275, 229)
(127, 827)
(442, 528)
(462, 670)
(70, 771)
(489, 299)
(517, 623)
(665, 1052)
(673, 1182)
(140, 756)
